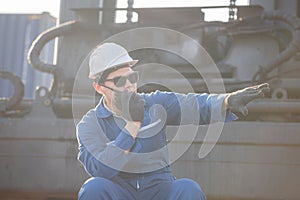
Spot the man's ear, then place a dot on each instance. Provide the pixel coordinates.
(98, 88)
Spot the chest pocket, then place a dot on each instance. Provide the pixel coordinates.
(156, 119)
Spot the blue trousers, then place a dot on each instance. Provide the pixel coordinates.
(155, 187)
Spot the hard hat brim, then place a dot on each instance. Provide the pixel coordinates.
(131, 63)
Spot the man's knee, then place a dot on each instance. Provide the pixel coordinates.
(188, 189)
(95, 188)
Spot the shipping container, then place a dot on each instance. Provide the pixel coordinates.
(17, 32)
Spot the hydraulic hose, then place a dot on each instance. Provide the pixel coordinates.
(37, 46)
(292, 48)
(39, 43)
(18, 91)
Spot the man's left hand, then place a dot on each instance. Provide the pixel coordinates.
(237, 101)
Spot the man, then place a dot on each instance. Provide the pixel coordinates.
(122, 141)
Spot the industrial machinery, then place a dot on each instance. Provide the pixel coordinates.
(256, 157)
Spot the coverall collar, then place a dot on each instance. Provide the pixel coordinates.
(101, 110)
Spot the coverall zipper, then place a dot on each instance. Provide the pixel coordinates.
(137, 184)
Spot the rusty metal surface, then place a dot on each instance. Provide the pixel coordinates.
(255, 158)
(36, 195)
(261, 163)
(252, 160)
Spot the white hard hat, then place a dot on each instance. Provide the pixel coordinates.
(108, 55)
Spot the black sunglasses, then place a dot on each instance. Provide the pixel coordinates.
(120, 81)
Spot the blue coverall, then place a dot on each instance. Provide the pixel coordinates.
(141, 174)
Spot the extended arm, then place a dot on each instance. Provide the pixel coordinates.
(192, 108)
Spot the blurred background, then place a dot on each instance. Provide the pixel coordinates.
(43, 75)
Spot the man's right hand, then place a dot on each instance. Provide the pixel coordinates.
(130, 105)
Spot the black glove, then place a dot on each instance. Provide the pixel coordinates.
(238, 100)
(131, 105)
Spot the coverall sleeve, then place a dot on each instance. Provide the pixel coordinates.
(193, 108)
(99, 156)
